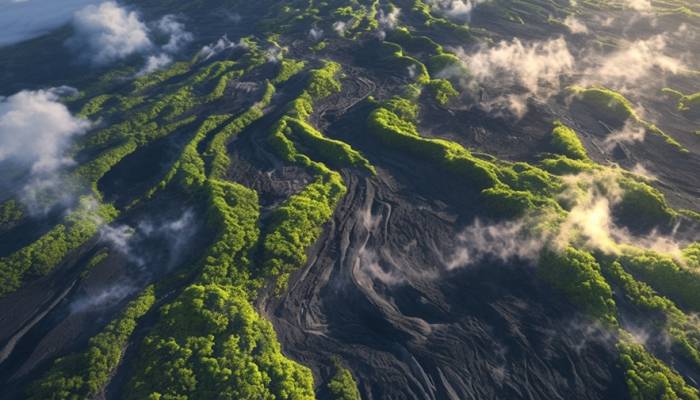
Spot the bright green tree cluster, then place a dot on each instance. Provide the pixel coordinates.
(210, 343)
(85, 375)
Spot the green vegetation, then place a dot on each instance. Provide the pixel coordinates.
(154, 78)
(406, 110)
(691, 255)
(562, 165)
(664, 274)
(608, 103)
(10, 213)
(287, 69)
(210, 343)
(85, 375)
(234, 213)
(297, 224)
(40, 257)
(615, 107)
(683, 330)
(390, 58)
(322, 83)
(441, 90)
(94, 261)
(332, 152)
(641, 199)
(217, 147)
(690, 102)
(508, 189)
(402, 134)
(648, 378)
(343, 386)
(578, 275)
(214, 342)
(94, 106)
(566, 142)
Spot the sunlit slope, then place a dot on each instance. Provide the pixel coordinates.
(358, 199)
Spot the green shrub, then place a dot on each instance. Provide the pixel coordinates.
(10, 213)
(691, 255)
(613, 106)
(441, 90)
(643, 206)
(666, 276)
(210, 343)
(85, 375)
(233, 212)
(607, 103)
(578, 275)
(405, 109)
(648, 378)
(333, 152)
(690, 103)
(298, 223)
(287, 69)
(683, 331)
(343, 386)
(444, 61)
(566, 142)
(562, 165)
(394, 131)
(217, 147)
(42, 256)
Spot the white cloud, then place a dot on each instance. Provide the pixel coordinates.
(315, 34)
(178, 37)
(460, 9)
(589, 224)
(388, 21)
(154, 63)
(575, 25)
(635, 62)
(629, 133)
(22, 20)
(220, 45)
(638, 5)
(173, 234)
(340, 27)
(35, 129)
(107, 297)
(536, 69)
(107, 32)
(505, 241)
(528, 64)
(120, 238)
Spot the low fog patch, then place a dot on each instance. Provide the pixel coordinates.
(629, 133)
(460, 10)
(25, 19)
(638, 5)
(589, 224)
(340, 27)
(519, 70)
(221, 45)
(575, 25)
(636, 65)
(108, 32)
(152, 244)
(388, 21)
(315, 34)
(36, 131)
(106, 297)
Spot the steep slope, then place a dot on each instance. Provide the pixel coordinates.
(377, 199)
